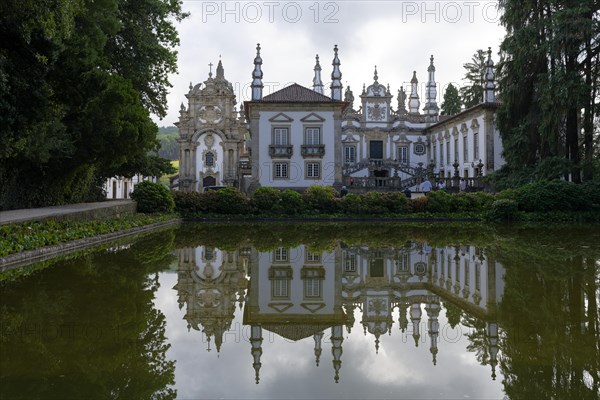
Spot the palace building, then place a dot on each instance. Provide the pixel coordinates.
(297, 136)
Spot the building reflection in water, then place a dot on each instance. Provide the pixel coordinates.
(298, 293)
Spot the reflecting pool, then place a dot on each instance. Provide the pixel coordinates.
(310, 311)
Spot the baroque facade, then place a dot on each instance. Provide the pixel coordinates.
(213, 135)
(298, 137)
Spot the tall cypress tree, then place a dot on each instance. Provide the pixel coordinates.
(549, 86)
(451, 104)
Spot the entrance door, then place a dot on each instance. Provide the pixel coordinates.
(125, 192)
(376, 149)
(114, 191)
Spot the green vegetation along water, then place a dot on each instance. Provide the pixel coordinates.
(339, 310)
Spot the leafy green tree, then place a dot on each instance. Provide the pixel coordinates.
(81, 78)
(472, 93)
(451, 104)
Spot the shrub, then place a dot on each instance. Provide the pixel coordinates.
(152, 197)
(374, 203)
(194, 202)
(266, 199)
(321, 199)
(440, 202)
(420, 204)
(396, 202)
(352, 204)
(231, 201)
(503, 210)
(591, 189)
(292, 202)
(481, 201)
(554, 195)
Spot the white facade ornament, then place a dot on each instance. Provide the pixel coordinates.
(414, 103)
(336, 77)
(317, 83)
(257, 75)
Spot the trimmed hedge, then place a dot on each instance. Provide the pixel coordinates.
(553, 196)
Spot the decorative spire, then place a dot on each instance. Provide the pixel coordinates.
(337, 337)
(414, 103)
(210, 65)
(257, 75)
(401, 101)
(318, 337)
(256, 343)
(489, 95)
(433, 328)
(431, 108)
(375, 75)
(415, 317)
(317, 83)
(220, 71)
(493, 347)
(336, 77)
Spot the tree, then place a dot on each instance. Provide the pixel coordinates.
(81, 78)
(472, 93)
(549, 80)
(451, 104)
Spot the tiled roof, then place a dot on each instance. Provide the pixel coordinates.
(296, 94)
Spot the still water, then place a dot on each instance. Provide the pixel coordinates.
(310, 311)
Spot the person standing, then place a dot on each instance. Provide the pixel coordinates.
(426, 187)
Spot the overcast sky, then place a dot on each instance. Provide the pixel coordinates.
(397, 36)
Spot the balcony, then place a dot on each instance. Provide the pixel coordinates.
(280, 150)
(312, 150)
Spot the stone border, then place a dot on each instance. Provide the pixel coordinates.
(44, 253)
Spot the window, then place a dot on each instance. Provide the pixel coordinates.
(349, 262)
(312, 278)
(448, 152)
(465, 149)
(312, 257)
(442, 153)
(419, 149)
(434, 153)
(281, 136)
(313, 170)
(280, 255)
(209, 159)
(312, 136)
(403, 154)
(280, 282)
(209, 254)
(312, 287)
(349, 154)
(281, 171)
(403, 263)
(476, 146)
